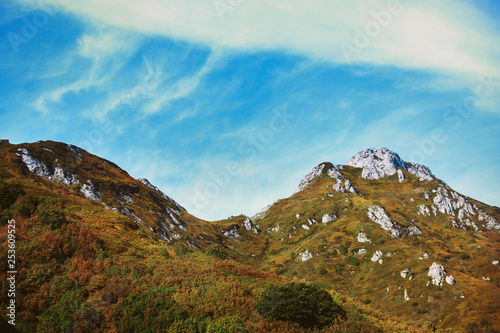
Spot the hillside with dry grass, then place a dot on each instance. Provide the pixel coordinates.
(100, 251)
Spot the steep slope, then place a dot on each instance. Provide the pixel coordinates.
(389, 233)
(94, 245)
(90, 240)
(77, 173)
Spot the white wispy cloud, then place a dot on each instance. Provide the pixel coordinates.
(183, 87)
(440, 35)
(108, 50)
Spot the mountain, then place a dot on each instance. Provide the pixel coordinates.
(390, 233)
(397, 247)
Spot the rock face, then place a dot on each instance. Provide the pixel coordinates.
(450, 280)
(378, 215)
(328, 218)
(248, 224)
(377, 256)
(39, 168)
(333, 171)
(306, 255)
(436, 272)
(231, 232)
(449, 202)
(362, 238)
(406, 297)
(148, 184)
(378, 163)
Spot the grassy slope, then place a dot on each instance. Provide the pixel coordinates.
(80, 264)
(465, 254)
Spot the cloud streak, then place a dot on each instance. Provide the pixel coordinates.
(445, 35)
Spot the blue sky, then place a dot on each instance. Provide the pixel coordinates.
(226, 105)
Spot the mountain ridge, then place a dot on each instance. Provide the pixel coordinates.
(410, 245)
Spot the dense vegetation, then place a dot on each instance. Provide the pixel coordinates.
(305, 304)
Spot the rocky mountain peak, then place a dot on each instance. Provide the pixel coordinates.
(378, 163)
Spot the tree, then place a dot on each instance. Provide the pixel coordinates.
(305, 304)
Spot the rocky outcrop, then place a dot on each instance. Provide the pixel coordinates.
(248, 224)
(378, 163)
(378, 215)
(362, 238)
(306, 255)
(436, 272)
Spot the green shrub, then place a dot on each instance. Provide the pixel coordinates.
(305, 304)
(9, 194)
(52, 217)
(351, 261)
(59, 317)
(181, 250)
(150, 311)
(465, 256)
(217, 250)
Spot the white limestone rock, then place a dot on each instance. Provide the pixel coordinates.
(297, 216)
(316, 172)
(414, 230)
(423, 210)
(37, 167)
(421, 171)
(349, 187)
(377, 256)
(486, 278)
(34, 165)
(494, 262)
(360, 251)
(443, 202)
(64, 178)
(343, 185)
(148, 184)
(406, 297)
(306, 255)
(231, 232)
(362, 238)
(305, 226)
(89, 192)
(450, 280)
(328, 218)
(401, 176)
(404, 273)
(378, 163)
(378, 215)
(248, 224)
(488, 222)
(436, 272)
